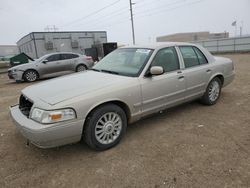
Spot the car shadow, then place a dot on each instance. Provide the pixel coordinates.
(12, 82)
(80, 148)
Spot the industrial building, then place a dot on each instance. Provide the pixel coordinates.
(37, 44)
(192, 36)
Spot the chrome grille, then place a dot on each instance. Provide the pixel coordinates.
(25, 105)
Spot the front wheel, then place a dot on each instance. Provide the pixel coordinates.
(212, 93)
(105, 127)
(30, 76)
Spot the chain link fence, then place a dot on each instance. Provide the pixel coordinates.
(236, 44)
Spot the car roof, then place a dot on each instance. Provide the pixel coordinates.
(160, 45)
(62, 53)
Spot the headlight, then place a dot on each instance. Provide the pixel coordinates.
(54, 116)
(13, 70)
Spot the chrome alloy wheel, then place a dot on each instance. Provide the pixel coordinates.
(81, 68)
(31, 76)
(108, 128)
(214, 91)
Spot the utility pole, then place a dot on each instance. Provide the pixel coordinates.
(132, 20)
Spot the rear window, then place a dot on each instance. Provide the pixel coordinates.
(202, 59)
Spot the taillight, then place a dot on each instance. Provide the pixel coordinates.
(88, 58)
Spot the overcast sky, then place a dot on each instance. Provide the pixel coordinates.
(152, 17)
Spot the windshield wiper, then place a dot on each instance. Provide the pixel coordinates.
(97, 70)
(109, 71)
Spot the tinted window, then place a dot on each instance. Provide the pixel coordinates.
(74, 56)
(54, 57)
(68, 56)
(189, 56)
(167, 58)
(202, 59)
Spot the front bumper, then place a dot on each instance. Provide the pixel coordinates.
(47, 136)
(10, 75)
(18, 75)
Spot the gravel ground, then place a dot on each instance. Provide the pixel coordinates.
(188, 146)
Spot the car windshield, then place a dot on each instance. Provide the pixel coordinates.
(124, 61)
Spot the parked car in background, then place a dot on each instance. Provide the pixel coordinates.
(125, 86)
(50, 65)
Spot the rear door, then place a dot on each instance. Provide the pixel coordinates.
(69, 61)
(168, 89)
(196, 71)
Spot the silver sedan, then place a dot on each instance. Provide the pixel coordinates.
(127, 85)
(50, 65)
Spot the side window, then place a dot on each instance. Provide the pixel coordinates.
(167, 58)
(74, 56)
(54, 57)
(189, 56)
(65, 56)
(201, 57)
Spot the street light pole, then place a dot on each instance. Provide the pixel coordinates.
(132, 20)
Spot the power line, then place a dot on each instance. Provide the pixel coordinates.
(113, 24)
(99, 25)
(169, 9)
(162, 6)
(118, 12)
(140, 5)
(92, 13)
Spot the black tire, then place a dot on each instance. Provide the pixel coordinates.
(207, 99)
(91, 127)
(81, 68)
(18, 81)
(30, 76)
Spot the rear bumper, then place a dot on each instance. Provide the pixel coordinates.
(46, 136)
(228, 79)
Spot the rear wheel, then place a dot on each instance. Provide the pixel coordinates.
(212, 93)
(105, 127)
(81, 68)
(30, 75)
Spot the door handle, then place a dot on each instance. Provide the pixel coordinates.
(208, 71)
(181, 77)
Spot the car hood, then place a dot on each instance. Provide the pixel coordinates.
(24, 66)
(67, 87)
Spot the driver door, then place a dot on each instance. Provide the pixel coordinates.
(51, 64)
(168, 89)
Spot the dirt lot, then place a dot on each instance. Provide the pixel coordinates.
(188, 146)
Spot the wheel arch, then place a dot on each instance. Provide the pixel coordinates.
(119, 103)
(218, 75)
(29, 70)
(77, 65)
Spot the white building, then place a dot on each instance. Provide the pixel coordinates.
(37, 44)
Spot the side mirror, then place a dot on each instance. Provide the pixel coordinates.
(156, 70)
(45, 61)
